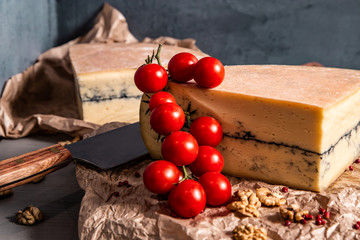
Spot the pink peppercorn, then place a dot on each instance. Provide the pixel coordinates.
(321, 210)
(309, 217)
(318, 222)
(287, 223)
(318, 217)
(327, 215)
(303, 221)
(323, 222)
(356, 226)
(357, 161)
(351, 168)
(285, 189)
(358, 222)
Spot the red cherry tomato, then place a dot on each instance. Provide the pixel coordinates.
(209, 72)
(167, 118)
(161, 176)
(180, 148)
(217, 188)
(208, 160)
(160, 98)
(207, 131)
(181, 67)
(151, 78)
(187, 199)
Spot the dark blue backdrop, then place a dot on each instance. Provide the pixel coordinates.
(235, 31)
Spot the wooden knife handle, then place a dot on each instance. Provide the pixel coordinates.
(25, 168)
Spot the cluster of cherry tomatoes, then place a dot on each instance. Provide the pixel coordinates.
(188, 194)
(207, 72)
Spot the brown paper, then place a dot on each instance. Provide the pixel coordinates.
(42, 98)
(138, 214)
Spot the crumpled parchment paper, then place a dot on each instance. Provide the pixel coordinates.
(138, 214)
(42, 98)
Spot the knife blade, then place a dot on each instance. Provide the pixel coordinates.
(104, 151)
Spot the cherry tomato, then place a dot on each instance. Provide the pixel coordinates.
(207, 131)
(187, 199)
(161, 176)
(209, 72)
(167, 118)
(181, 67)
(217, 188)
(208, 160)
(151, 78)
(160, 98)
(180, 148)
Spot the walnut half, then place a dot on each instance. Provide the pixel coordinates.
(29, 216)
(5, 193)
(293, 213)
(249, 232)
(246, 203)
(269, 198)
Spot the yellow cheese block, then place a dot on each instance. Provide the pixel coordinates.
(293, 125)
(104, 75)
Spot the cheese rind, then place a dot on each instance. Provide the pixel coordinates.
(297, 137)
(104, 75)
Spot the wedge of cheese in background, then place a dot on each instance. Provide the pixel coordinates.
(293, 125)
(104, 76)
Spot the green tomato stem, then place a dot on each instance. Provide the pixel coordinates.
(149, 59)
(157, 56)
(185, 172)
(187, 119)
(186, 175)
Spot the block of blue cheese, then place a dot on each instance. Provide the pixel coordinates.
(297, 126)
(104, 77)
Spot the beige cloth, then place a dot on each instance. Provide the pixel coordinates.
(42, 98)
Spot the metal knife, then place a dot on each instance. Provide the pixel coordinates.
(104, 151)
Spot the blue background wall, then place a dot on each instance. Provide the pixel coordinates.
(235, 31)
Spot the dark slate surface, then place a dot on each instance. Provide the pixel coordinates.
(58, 196)
(235, 31)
